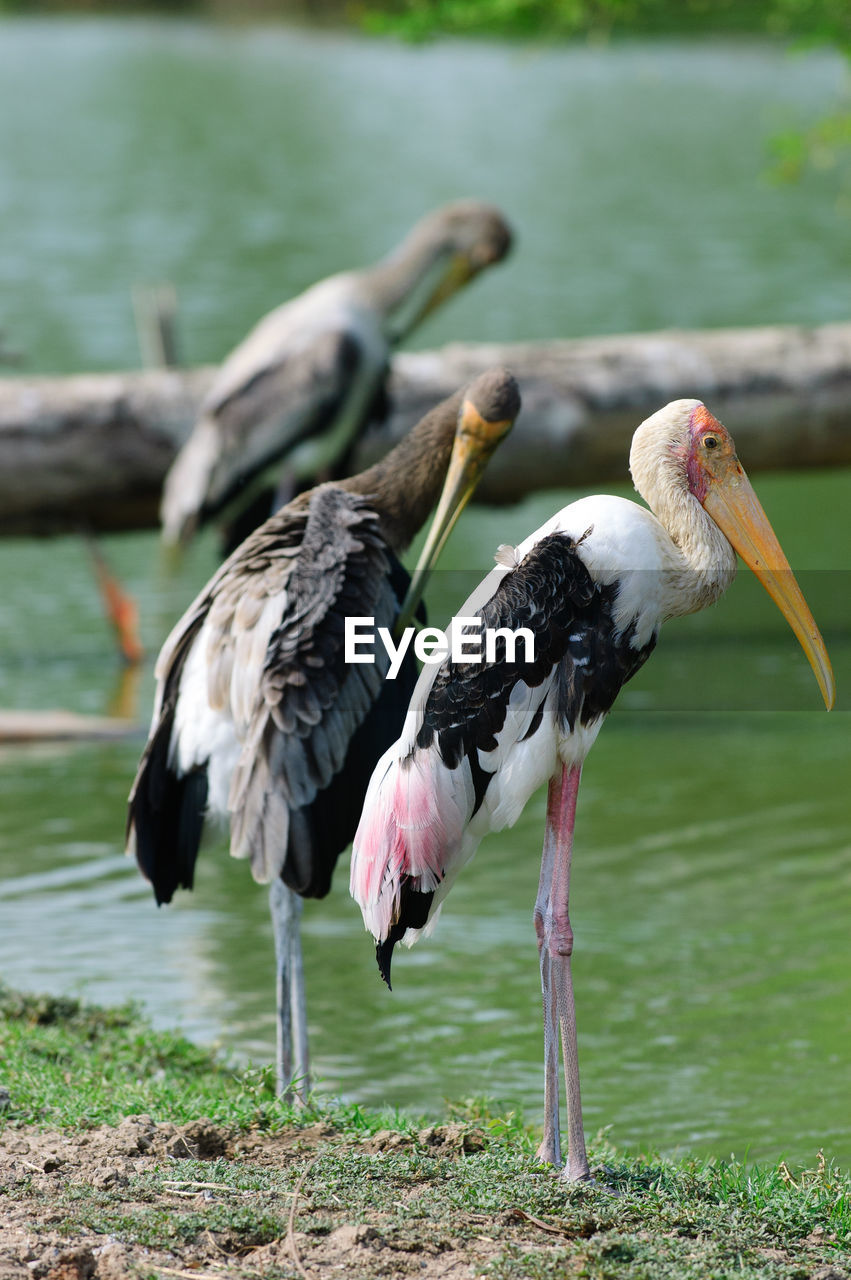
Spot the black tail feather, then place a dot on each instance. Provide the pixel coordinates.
(384, 953)
(167, 813)
(414, 911)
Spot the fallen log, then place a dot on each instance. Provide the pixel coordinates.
(92, 450)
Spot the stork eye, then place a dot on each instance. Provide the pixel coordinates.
(710, 442)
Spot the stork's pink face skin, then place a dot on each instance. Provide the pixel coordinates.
(718, 481)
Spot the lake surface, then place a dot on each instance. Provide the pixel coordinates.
(712, 889)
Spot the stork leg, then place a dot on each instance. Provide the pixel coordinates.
(555, 944)
(293, 1061)
(550, 1149)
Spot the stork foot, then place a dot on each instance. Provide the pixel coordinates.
(549, 1152)
(598, 1179)
(577, 1171)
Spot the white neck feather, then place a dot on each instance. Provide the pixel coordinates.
(702, 562)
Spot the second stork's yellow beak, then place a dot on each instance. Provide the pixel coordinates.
(488, 411)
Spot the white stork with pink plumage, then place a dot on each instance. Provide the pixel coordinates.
(594, 585)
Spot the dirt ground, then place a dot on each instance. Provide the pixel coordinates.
(201, 1201)
(41, 1171)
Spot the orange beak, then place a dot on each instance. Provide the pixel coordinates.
(735, 508)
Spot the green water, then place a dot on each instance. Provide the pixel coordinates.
(712, 890)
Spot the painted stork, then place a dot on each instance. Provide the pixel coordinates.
(311, 375)
(593, 586)
(259, 719)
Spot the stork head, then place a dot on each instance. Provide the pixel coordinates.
(683, 455)
(474, 231)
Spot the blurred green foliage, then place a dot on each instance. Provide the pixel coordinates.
(819, 20)
(99, 6)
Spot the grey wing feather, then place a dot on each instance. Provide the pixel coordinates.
(309, 700)
(272, 620)
(288, 392)
(273, 392)
(237, 590)
(288, 329)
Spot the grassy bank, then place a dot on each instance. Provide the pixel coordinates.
(211, 1175)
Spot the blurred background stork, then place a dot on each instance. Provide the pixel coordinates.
(294, 396)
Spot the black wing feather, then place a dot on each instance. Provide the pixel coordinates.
(570, 616)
